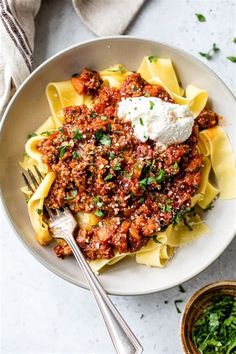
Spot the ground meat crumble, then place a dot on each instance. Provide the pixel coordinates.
(136, 189)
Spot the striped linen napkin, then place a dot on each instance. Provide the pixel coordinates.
(17, 33)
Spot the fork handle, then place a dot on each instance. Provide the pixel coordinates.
(121, 335)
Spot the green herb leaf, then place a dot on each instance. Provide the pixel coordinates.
(234, 40)
(201, 18)
(39, 211)
(181, 289)
(108, 177)
(176, 165)
(215, 48)
(99, 213)
(103, 117)
(141, 200)
(71, 195)
(231, 58)
(207, 55)
(77, 134)
(161, 175)
(168, 208)
(152, 58)
(135, 88)
(47, 133)
(97, 201)
(62, 151)
(103, 139)
(117, 167)
(111, 155)
(146, 182)
(93, 115)
(76, 155)
(27, 198)
(176, 305)
(152, 104)
(141, 121)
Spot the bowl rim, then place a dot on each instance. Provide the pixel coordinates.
(3, 205)
(224, 284)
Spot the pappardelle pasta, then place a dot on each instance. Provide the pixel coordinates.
(132, 154)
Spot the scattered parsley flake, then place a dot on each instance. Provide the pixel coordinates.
(76, 155)
(61, 130)
(39, 211)
(209, 55)
(103, 117)
(47, 133)
(71, 195)
(99, 213)
(232, 58)
(161, 175)
(27, 198)
(201, 18)
(152, 104)
(152, 58)
(176, 305)
(141, 121)
(104, 139)
(176, 165)
(62, 151)
(111, 155)
(168, 208)
(108, 177)
(181, 289)
(97, 201)
(77, 134)
(117, 167)
(93, 115)
(141, 200)
(135, 88)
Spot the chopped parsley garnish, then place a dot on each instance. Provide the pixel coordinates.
(141, 121)
(234, 40)
(76, 155)
(47, 133)
(168, 208)
(231, 58)
(39, 211)
(201, 18)
(176, 305)
(161, 175)
(61, 130)
(152, 58)
(97, 201)
(178, 217)
(215, 330)
(108, 177)
(181, 289)
(209, 55)
(71, 195)
(103, 139)
(152, 104)
(135, 88)
(103, 117)
(156, 240)
(176, 165)
(146, 182)
(30, 135)
(99, 213)
(117, 167)
(141, 200)
(77, 134)
(111, 155)
(62, 151)
(94, 115)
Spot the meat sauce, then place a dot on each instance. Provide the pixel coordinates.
(136, 189)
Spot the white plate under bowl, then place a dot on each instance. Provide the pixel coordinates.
(29, 108)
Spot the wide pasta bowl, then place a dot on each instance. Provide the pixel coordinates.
(29, 109)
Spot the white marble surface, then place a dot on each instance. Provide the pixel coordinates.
(41, 313)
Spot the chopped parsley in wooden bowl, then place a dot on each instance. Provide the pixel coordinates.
(209, 320)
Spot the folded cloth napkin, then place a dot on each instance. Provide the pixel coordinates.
(103, 17)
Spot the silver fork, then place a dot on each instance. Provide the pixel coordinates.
(61, 223)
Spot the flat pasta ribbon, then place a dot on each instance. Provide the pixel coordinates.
(216, 145)
(62, 94)
(35, 209)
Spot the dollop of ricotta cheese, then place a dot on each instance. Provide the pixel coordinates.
(154, 119)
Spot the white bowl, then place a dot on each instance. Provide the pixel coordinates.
(29, 108)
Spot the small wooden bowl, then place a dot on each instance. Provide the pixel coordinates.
(196, 304)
